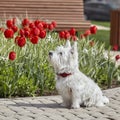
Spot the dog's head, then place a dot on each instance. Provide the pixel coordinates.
(64, 58)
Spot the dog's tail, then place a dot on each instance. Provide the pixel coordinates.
(105, 100)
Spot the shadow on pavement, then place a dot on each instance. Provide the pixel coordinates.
(41, 105)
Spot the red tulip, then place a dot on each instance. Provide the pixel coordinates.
(40, 26)
(42, 34)
(87, 33)
(45, 25)
(50, 27)
(15, 28)
(35, 31)
(8, 33)
(27, 34)
(93, 29)
(34, 39)
(21, 41)
(12, 55)
(22, 32)
(54, 23)
(72, 31)
(16, 39)
(74, 38)
(26, 28)
(14, 21)
(61, 34)
(36, 22)
(9, 23)
(67, 35)
(32, 25)
(117, 57)
(25, 22)
(115, 48)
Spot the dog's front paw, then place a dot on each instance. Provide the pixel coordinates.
(100, 104)
(75, 106)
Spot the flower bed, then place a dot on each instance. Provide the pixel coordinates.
(24, 64)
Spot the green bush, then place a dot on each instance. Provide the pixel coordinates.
(31, 73)
(96, 64)
(13, 85)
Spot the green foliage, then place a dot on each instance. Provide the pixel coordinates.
(25, 87)
(103, 36)
(14, 84)
(31, 72)
(96, 64)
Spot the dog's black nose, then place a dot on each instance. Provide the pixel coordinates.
(50, 53)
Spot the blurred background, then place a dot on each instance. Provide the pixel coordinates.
(99, 14)
(100, 9)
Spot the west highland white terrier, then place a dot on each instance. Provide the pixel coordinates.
(75, 88)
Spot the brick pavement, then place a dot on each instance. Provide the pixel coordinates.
(48, 108)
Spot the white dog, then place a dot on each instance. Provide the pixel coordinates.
(74, 87)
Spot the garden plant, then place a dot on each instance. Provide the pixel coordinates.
(24, 63)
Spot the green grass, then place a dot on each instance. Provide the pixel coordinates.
(103, 36)
(105, 24)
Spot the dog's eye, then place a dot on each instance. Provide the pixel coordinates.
(60, 53)
(71, 52)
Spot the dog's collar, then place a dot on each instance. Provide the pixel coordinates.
(64, 74)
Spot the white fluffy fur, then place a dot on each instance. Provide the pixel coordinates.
(77, 88)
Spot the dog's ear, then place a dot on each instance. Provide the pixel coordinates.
(74, 52)
(67, 44)
(74, 47)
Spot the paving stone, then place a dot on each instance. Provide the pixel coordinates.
(2, 117)
(48, 108)
(103, 119)
(35, 110)
(55, 116)
(8, 118)
(44, 118)
(22, 117)
(81, 114)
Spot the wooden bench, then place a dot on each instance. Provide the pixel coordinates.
(67, 13)
(115, 28)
